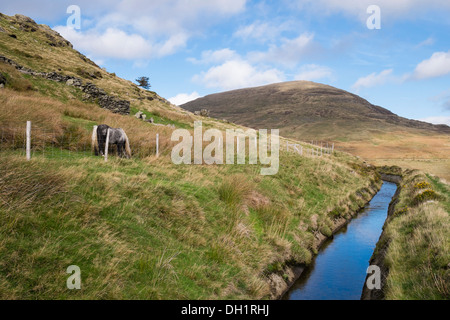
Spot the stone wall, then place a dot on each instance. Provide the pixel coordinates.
(91, 91)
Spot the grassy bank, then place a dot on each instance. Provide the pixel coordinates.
(415, 246)
(145, 229)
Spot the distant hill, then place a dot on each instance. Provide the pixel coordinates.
(308, 111)
(311, 111)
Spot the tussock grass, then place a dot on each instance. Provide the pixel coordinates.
(418, 255)
(234, 189)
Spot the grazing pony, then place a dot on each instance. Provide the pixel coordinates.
(116, 136)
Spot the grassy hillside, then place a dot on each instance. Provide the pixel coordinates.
(310, 111)
(414, 249)
(145, 228)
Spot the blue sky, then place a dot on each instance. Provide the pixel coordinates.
(191, 48)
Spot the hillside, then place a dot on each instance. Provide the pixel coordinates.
(311, 111)
(144, 228)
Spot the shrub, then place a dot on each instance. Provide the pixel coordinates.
(425, 196)
(422, 185)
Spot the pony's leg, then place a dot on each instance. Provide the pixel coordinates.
(119, 150)
(122, 150)
(102, 145)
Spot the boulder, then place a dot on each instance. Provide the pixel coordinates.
(74, 82)
(139, 115)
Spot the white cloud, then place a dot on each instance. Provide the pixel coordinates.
(235, 74)
(139, 29)
(217, 56)
(288, 53)
(438, 65)
(373, 79)
(437, 120)
(391, 9)
(263, 31)
(111, 43)
(312, 72)
(183, 98)
(428, 42)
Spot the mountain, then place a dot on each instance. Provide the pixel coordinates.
(316, 112)
(306, 110)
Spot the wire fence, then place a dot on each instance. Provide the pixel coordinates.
(318, 149)
(31, 141)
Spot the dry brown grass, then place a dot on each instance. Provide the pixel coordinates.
(429, 153)
(49, 126)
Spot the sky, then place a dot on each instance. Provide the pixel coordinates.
(192, 48)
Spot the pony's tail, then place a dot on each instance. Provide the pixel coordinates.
(95, 141)
(127, 144)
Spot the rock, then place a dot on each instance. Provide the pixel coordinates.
(26, 23)
(2, 80)
(24, 19)
(144, 117)
(74, 82)
(139, 115)
(114, 104)
(203, 113)
(150, 121)
(2, 30)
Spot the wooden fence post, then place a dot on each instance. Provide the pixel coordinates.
(107, 146)
(157, 144)
(28, 140)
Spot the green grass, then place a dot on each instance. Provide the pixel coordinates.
(159, 119)
(419, 241)
(152, 231)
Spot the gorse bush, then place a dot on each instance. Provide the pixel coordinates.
(427, 195)
(422, 185)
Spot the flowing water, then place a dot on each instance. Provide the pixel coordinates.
(339, 270)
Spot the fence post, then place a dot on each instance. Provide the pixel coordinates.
(332, 150)
(157, 144)
(94, 134)
(28, 140)
(107, 146)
